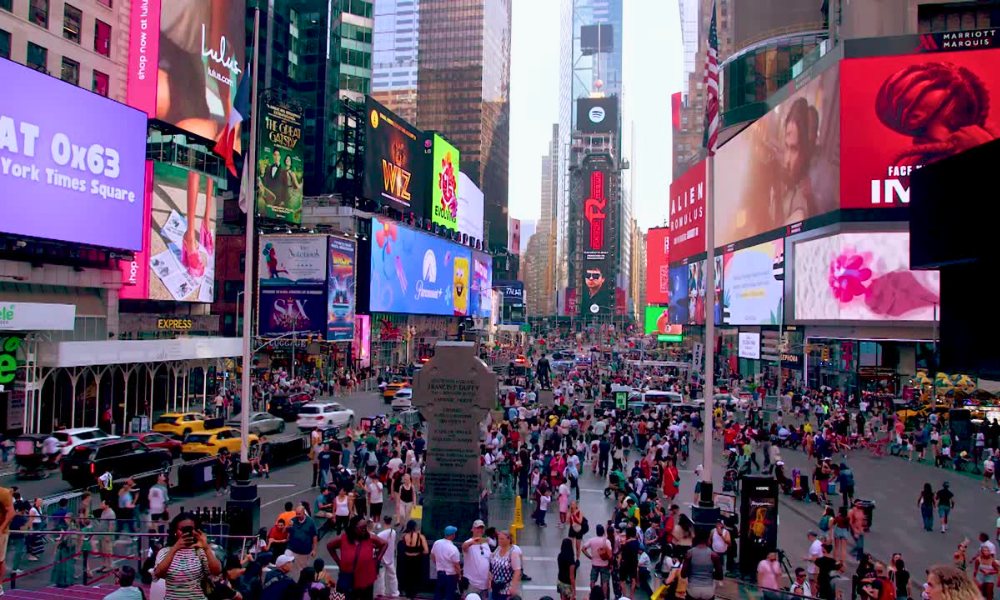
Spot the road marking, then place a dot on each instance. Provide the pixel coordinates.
(275, 485)
(282, 499)
(539, 558)
(548, 588)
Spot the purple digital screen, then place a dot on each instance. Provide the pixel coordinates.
(72, 163)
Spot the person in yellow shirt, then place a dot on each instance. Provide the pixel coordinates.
(807, 428)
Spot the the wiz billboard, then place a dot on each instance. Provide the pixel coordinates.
(394, 161)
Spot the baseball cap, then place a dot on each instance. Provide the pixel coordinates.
(284, 559)
(450, 530)
(478, 523)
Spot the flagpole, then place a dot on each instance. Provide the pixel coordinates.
(709, 345)
(249, 272)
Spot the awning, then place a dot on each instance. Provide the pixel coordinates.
(88, 302)
(116, 352)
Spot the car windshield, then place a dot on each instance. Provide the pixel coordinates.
(309, 410)
(197, 438)
(166, 420)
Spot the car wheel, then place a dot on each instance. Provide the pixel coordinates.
(281, 427)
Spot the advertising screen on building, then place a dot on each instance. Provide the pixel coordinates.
(909, 111)
(293, 261)
(417, 273)
(754, 285)
(395, 163)
(597, 115)
(66, 178)
(445, 190)
(598, 287)
(185, 62)
(482, 285)
(862, 277)
(688, 293)
(657, 322)
(595, 211)
(679, 304)
(687, 213)
(285, 310)
(470, 207)
(279, 161)
(363, 340)
(749, 345)
(512, 292)
(782, 169)
(657, 265)
(340, 290)
(182, 237)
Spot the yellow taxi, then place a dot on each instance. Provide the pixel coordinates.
(390, 390)
(922, 412)
(179, 424)
(213, 441)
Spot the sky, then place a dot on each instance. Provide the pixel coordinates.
(652, 71)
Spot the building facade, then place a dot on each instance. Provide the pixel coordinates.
(463, 91)
(83, 42)
(394, 69)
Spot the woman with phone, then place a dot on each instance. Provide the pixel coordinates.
(187, 560)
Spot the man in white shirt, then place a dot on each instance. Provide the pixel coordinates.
(476, 553)
(800, 586)
(445, 559)
(386, 583)
(815, 552)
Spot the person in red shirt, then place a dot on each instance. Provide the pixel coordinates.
(357, 553)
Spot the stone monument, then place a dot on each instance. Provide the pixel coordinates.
(454, 391)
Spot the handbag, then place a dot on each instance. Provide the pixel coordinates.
(345, 581)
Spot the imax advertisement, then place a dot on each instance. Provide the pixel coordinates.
(417, 273)
(66, 178)
(182, 238)
(482, 285)
(687, 213)
(279, 161)
(445, 193)
(782, 169)
(289, 261)
(283, 311)
(394, 161)
(340, 290)
(185, 62)
(597, 115)
(754, 285)
(862, 277)
(909, 111)
(657, 265)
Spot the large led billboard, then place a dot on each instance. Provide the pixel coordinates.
(340, 289)
(688, 293)
(687, 213)
(598, 288)
(445, 191)
(470, 207)
(186, 59)
(417, 273)
(481, 295)
(293, 260)
(657, 265)
(753, 283)
(908, 111)
(596, 230)
(782, 169)
(511, 291)
(597, 115)
(67, 178)
(657, 322)
(279, 160)
(182, 237)
(395, 162)
(680, 306)
(862, 277)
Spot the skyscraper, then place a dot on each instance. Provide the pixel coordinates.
(394, 68)
(547, 227)
(463, 91)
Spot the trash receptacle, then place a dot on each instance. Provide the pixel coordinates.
(868, 506)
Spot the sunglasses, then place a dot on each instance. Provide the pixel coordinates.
(593, 275)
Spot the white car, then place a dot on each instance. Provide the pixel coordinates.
(403, 400)
(71, 438)
(324, 414)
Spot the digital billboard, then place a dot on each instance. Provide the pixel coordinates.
(687, 213)
(511, 291)
(782, 169)
(417, 273)
(862, 277)
(135, 272)
(680, 305)
(293, 261)
(749, 345)
(470, 207)
(185, 62)
(909, 111)
(395, 163)
(363, 340)
(445, 190)
(595, 211)
(753, 281)
(481, 295)
(597, 115)
(286, 310)
(66, 178)
(182, 238)
(598, 288)
(279, 161)
(657, 322)
(657, 265)
(688, 292)
(340, 290)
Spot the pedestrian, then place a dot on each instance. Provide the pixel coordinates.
(387, 583)
(566, 566)
(926, 503)
(375, 495)
(841, 533)
(363, 552)
(544, 499)
(628, 561)
(902, 580)
(814, 553)
(945, 503)
(859, 523)
(158, 497)
(984, 571)
(445, 560)
(411, 558)
(598, 550)
(505, 568)
(827, 566)
(945, 582)
(476, 554)
(187, 560)
(769, 572)
(302, 540)
(801, 587)
(702, 569)
(578, 526)
(845, 479)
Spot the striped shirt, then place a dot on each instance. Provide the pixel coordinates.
(185, 574)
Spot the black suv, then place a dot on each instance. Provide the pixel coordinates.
(121, 457)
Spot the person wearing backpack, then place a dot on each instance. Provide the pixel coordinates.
(846, 482)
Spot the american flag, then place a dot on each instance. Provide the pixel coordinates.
(711, 81)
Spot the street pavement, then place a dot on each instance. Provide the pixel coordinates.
(892, 482)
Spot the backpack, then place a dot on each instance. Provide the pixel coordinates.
(824, 523)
